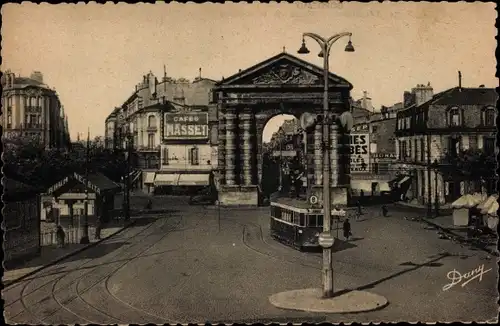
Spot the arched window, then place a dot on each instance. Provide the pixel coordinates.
(32, 101)
(40, 99)
(454, 119)
(488, 117)
(151, 121)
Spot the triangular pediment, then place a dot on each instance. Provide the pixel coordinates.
(283, 69)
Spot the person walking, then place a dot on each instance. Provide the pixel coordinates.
(347, 229)
(385, 210)
(98, 228)
(61, 236)
(359, 212)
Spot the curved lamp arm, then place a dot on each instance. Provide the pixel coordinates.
(326, 44)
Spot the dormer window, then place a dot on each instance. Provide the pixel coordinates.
(488, 117)
(454, 119)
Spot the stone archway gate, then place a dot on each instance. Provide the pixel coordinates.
(282, 84)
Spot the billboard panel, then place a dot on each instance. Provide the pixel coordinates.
(185, 125)
(360, 152)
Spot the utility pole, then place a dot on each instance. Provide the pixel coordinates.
(85, 238)
(429, 188)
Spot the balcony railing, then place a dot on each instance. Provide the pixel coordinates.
(148, 148)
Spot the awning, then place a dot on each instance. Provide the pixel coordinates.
(383, 186)
(394, 182)
(149, 177)
(171, 179)
(405, 179)
(194, 180)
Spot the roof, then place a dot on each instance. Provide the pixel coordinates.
(195, 93)
(466, 96)
(98, 180)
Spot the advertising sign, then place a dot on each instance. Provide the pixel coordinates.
(360, 152)
(185, 126)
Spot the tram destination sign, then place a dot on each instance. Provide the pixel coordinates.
(185, 125)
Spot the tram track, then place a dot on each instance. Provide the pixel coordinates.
(28, 282)
(54, 288)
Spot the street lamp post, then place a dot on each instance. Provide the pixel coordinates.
(126, 195)
(326, 45)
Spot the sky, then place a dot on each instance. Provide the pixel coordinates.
(95, 54)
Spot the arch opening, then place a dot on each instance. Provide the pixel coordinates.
(283, 157)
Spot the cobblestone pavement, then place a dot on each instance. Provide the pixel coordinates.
(180, 268)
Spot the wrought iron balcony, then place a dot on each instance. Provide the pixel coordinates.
(148, 148)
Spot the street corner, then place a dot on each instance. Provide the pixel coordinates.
(343, 302)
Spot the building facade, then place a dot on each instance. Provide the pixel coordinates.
(432, 128)
(173, 131)
(377, 126)
(31, 108)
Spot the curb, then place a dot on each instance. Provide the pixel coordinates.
(490, 251)
(57, 260)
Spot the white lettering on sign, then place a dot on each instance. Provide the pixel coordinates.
(187, 125)
(360, 152)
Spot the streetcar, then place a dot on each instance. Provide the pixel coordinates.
(297, 227)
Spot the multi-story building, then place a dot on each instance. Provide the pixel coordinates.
(432, 127)
(378, 127)
(173, 130)
(31, 108)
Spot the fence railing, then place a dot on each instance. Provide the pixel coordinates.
(72, 236)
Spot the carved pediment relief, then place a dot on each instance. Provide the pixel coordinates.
(286, 74)
(282, 69)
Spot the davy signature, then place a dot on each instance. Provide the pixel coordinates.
(455, 277)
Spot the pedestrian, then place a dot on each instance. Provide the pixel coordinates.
(385, 210)
(60, 236)
(347, 229)
(359, 211)
(98, 228)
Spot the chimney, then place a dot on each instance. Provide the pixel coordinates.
(422, 93)
(366, 102)
(408, 99)
(459, 80)
(38, 76)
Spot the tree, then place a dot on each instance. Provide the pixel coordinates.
(471, 164)
(27, 158)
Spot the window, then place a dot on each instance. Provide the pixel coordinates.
(151, 140)
(472, 141)
(375, 168)
(32, 101)
(194, 156)
(408, 154)
(453, 145)
(454, 117)
(9, 101)
(151, 121)
(422, 150)
(489, 145)
(374, 129)
(415, 143)
(39, 101)
(165, 156)
(488, 117)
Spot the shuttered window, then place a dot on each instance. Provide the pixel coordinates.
(165, 156)
(194, 156)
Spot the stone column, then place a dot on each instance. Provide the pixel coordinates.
(230, 148)
(247, 148)
(334, 159)
(318, 155)
(221, 149)
(258, 135)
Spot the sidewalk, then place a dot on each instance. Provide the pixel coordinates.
(50, 255)
(445, 224)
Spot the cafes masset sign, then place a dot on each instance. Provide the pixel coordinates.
(185, 125)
